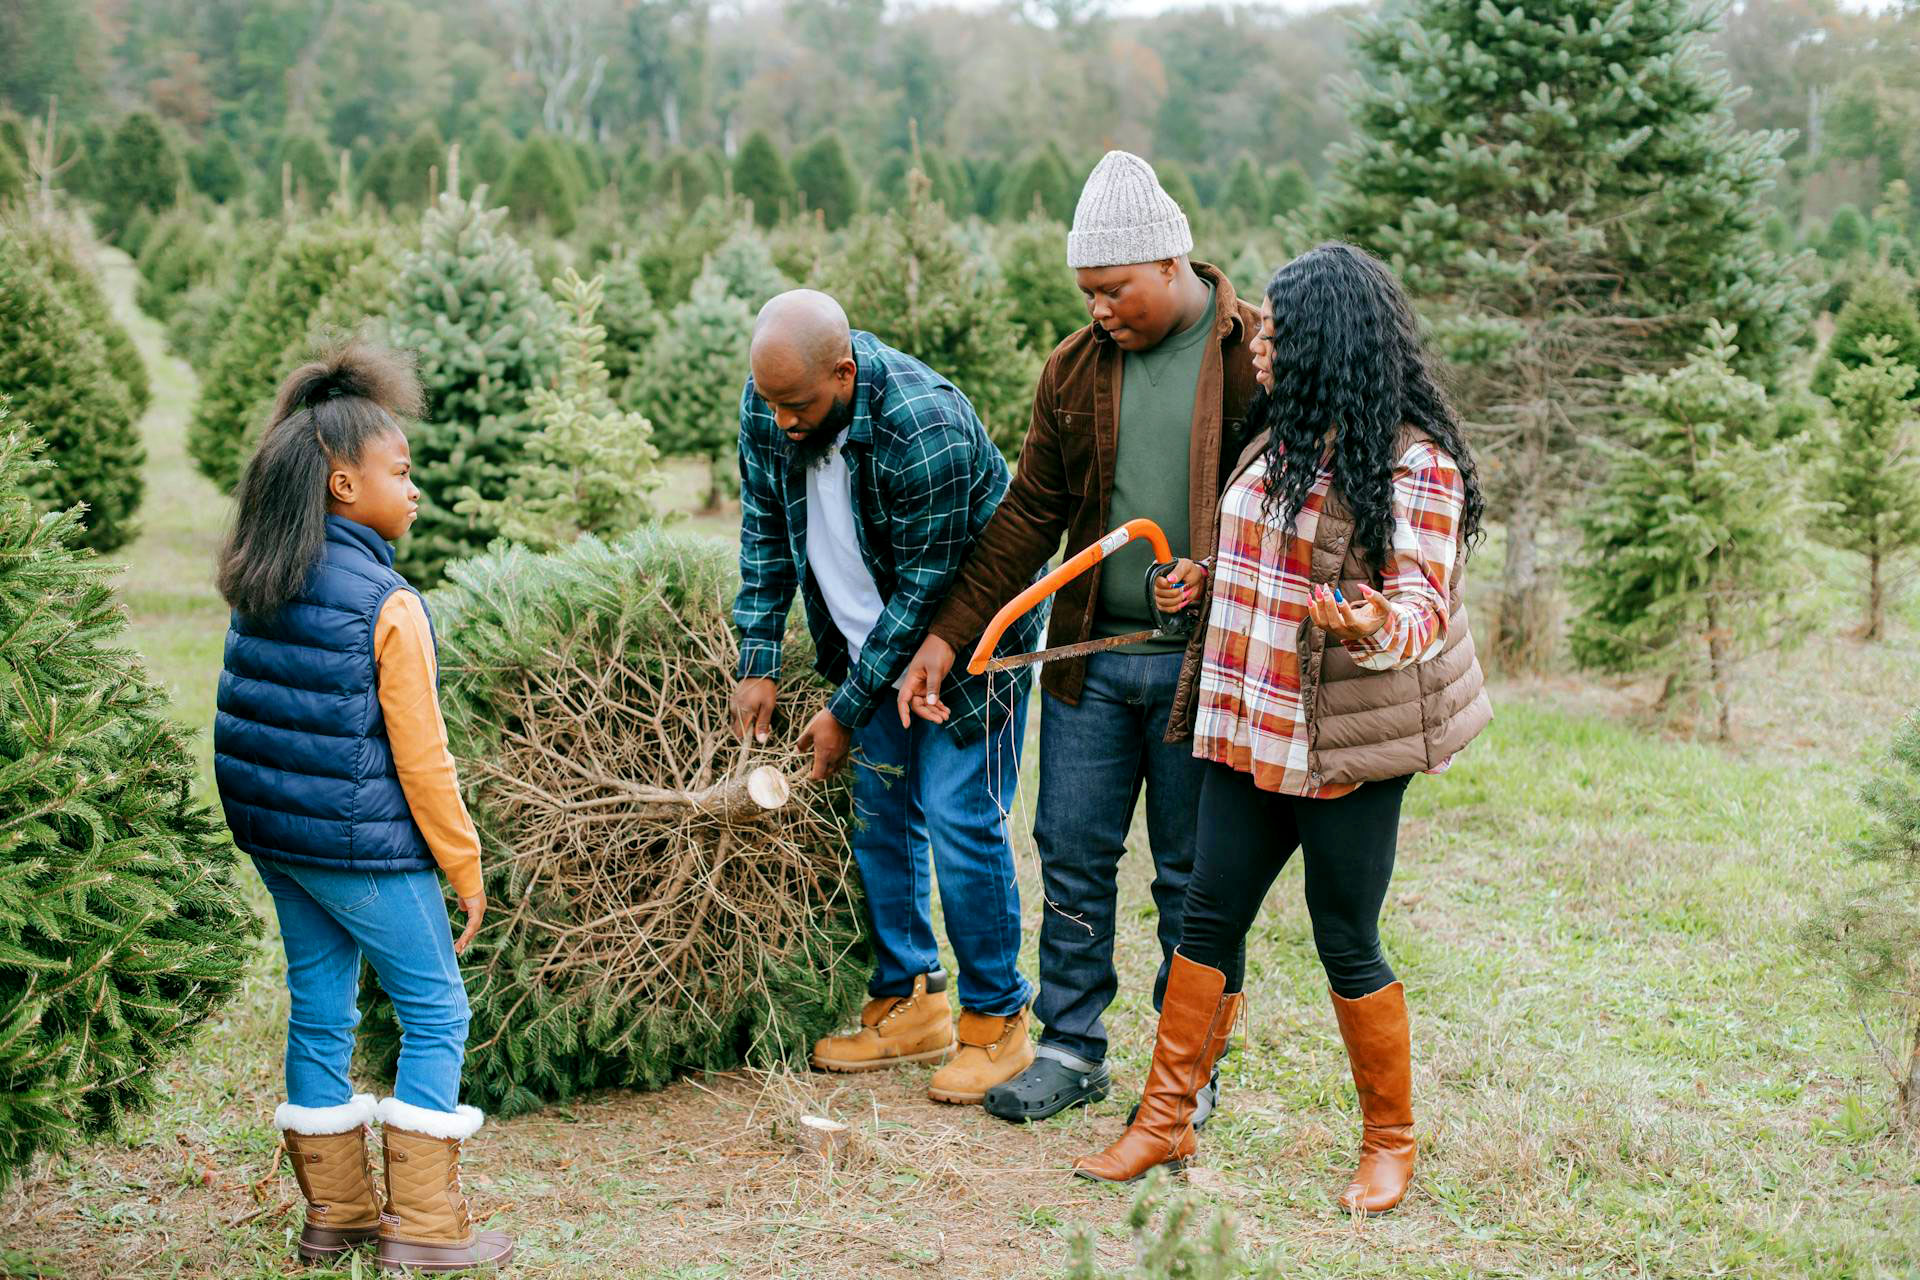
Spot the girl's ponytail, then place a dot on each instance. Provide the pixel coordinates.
(324, 414)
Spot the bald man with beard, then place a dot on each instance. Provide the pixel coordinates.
(865, 478)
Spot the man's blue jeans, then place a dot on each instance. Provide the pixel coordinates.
(1094, 758)
(329, 919)
(927, 805)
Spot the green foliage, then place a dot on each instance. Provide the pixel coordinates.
(1041, 182)
(264, 341)
(217, 171)
(1246, 194)
(906, 279)
(141, 170)
(687, 178)
(628, 315)
(1172, 1241)
(675, 248)
(421, 170)
(1175, 181)
(1846, 234)
(487, 159)
(382, 177)
(539, 187)
(1291, 189)
(54, 370)
(1868, 480)
(121, 929)
(1687, 551)
(58, 253)
(1047, 303)
(689, 383)
(824, 175)
(745, 266)
(199, 318)
(1872, 935)
(179, 252)
(1881, 306)
(591, 645)
(590, 465)
(13, 177)
(468, 304)
(760, 175)
(315, 172)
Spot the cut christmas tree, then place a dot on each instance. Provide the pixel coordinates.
(657, 908)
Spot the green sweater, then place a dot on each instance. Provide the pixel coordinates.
(1150, 472)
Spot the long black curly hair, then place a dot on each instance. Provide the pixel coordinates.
(1347, 358)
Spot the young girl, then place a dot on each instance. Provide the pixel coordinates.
(1336, 663)
(333, 768)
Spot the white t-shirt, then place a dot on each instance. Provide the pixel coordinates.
(833, 552)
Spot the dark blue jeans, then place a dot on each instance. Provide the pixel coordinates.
(1094, 758)
(928, 806)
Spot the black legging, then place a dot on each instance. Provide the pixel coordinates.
(1246, 835)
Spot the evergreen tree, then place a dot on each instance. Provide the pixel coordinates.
(54, 371)
(1246, 194)
(588, 164)
(635, 177)
(421, 169)
(912, 284)
(589, 467)
(316, 172)
(1291, 189)
(825, 178)
(140, 170)
(487, 159)
(745, 265)
(689, 383)
(383, 178)
(1177, 184)
(263, 342)
(468, 304)
(179, 253)
(1687, 559)
(1041, 182)
(1778, 233)
(1869, 479)
(687, 178)
(1873, 933)
(539, 188)
(760, 175)
(1846, 234)
(1047, 302)
(674, 250)
(217, 171)
(13, 178)
(1562, 188)
(56, 251)
(629, 316)
(121, 928)
(1878, 306)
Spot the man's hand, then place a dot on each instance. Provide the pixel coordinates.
(476, 909)
(753, 708)
(920, 687)
(829, 740)
(1343, 619)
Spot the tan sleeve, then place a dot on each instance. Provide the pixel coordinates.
(403, 655)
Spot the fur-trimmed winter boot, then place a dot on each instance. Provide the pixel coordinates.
(327, 1147)
(428, 1225)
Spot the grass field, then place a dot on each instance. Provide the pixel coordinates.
(1624, 1065)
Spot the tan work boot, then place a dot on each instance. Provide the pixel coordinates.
(327, 1147)
(428, 1225)
(992, 1051)
(894, 1030)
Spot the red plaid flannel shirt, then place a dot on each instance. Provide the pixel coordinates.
(1250, 712)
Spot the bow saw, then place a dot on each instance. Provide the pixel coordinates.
(1166, 625)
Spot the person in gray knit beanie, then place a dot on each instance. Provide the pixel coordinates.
(1125, 216)
(1142, 413)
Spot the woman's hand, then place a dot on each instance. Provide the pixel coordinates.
(1346, 620)
(476, 909)
(1174, 591)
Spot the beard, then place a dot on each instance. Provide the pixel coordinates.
(811, 450)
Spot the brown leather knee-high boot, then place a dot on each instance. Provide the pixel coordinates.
(1196, 1017)
(1375, 1030)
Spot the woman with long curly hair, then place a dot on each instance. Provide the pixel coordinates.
(1335, 663)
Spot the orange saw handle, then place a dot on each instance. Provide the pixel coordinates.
(1076, 565)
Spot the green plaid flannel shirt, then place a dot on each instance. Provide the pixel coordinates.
(925, 482)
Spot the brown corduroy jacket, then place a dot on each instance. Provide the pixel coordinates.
(1064, 482)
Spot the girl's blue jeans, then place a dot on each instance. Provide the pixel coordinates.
(397, 920)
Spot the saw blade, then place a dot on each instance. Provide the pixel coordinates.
(1079, 650)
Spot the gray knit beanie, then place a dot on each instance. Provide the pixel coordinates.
(1125, 216)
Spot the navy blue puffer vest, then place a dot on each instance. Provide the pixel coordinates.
(300, 747)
